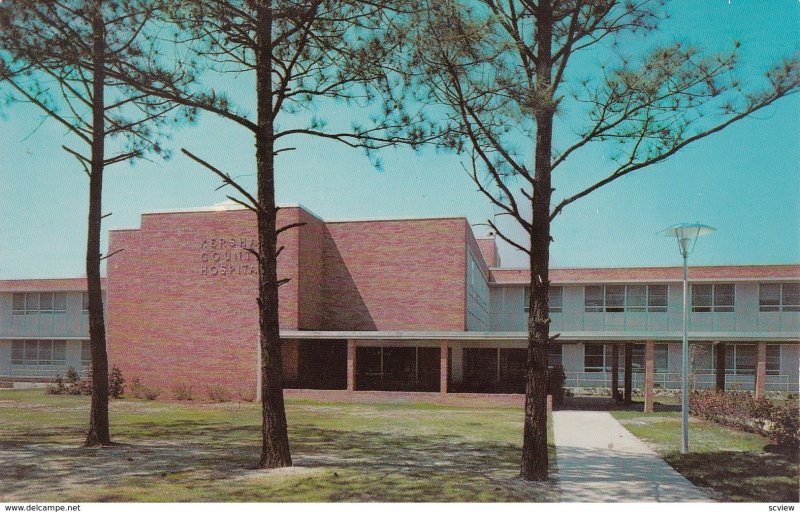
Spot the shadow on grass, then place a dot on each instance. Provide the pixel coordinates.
(198, 461)
(605, 403)
(740, 476)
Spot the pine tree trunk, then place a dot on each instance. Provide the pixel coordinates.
(275, 439)
(98, 418)
(534, 446)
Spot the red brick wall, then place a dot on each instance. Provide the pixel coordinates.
(488, 248)
(395, 275)
(175, 315)
(312, 238)
(182, 294)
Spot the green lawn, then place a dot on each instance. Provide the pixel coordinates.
(186, 451)
(734, 465)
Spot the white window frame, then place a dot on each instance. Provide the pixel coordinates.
(713, 306)
(626, 306)
(58, 303)
(606, 358)
(781, 304)
(39, 347)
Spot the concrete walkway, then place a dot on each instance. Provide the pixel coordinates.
(600, 461)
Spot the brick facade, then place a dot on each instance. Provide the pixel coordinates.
(184, 289)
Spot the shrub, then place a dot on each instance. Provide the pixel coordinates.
(72, 382)
(56, 387)
(85, 384)
(738, 409)
(151, 393)
(116, 383)
(182, 391)
(217, 393)
(139, 390)
(785, 428)
(247, 395)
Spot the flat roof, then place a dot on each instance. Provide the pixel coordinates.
(573, 336)
(789, 272)
(68, 284)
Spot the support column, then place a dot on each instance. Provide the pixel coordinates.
(720, 357)
(457, 363)
(351, 365)
(649, 370)
(615, 372)
(761, 370)
(628, 373)
(443, 367)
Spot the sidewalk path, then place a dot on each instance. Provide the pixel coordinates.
(600, 461)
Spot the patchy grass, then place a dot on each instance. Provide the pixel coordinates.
(343, 451)
(733, 465)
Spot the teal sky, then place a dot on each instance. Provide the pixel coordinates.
(745, 181)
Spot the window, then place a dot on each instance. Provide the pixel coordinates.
(773, 359)
(779, 297)
(596, 358)
(39, 352)
(615, 299)
(554, 355)
(740, 359)
(657, 298)
(593, 358)
(717, 298)
(555, 299)
(618, 298)
(593, 299)
(85, 303)
(86, 353)
(636, 298)
(39, 303)
(660, 358)
(18, 306)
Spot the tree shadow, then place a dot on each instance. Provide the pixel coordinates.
(741, 476)
(606, 403)
(217, 461)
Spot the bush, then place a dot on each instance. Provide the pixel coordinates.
(139, 390)
(738, 409)
(217, 393)
(72, 382)
(56, 387)
(786, 425)
(85, 385)
(182, 391)
(116, 383)
(248, 395)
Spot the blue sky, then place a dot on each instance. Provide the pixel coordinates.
(744, 181)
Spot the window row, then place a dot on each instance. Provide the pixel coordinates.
(739, 359)
(34, 303)
(779, 297)
(619, 298)
(599, 357)
(704, 298)
(46, 352)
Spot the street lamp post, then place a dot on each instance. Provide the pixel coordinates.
(686, 235)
